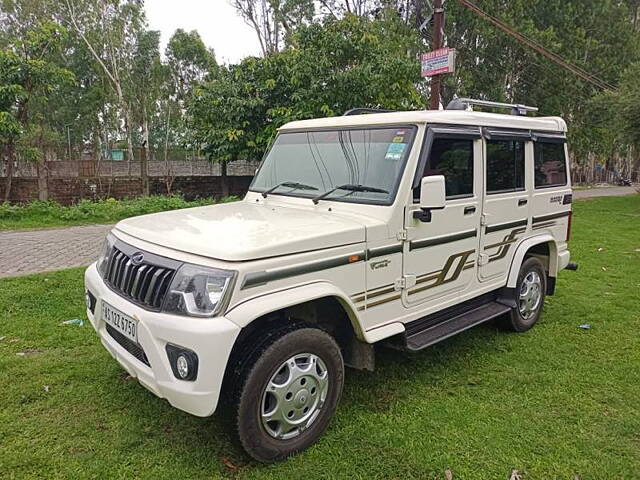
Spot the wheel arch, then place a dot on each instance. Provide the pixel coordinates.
(302, 306)
(256, 308)
(535, 246)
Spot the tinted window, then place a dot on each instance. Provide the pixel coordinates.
(505, 166)
(550, 165)
(453, 159)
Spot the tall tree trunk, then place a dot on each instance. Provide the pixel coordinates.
(168, 173)
(11, 157)
(127, 128)
(144, 160)
(224, 179)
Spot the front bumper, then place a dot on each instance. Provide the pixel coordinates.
(210, 338)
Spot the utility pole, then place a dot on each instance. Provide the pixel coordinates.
(438, 22)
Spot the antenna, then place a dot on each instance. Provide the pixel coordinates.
(468, 103)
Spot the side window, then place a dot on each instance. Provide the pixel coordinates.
(505, 166)
(550, 165)
(454, 159)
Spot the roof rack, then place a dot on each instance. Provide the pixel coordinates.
(362, 111)
(467, 104)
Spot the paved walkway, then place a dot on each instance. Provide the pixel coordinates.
(604, 192)
(22, 253)
(34, 251)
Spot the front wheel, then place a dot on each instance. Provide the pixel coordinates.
(289, 393)
(529, 296)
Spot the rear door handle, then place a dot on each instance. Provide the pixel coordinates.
(469, 209)
(522, 201)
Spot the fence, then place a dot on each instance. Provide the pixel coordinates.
(592, 170)
(68, 178)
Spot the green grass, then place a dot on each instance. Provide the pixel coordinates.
(554, 403)
(51, 214)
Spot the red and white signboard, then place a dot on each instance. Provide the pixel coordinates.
(438, 62)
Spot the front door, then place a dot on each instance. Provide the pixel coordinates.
(440, 255)
(506, 201)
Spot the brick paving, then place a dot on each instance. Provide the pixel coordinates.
(25, 252)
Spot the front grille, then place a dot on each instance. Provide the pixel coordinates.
(145, 284)
(129, 345)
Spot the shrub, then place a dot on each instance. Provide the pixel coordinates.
(39, 213)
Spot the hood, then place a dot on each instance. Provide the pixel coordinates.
(241, 231)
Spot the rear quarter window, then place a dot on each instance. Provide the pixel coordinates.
(550, 165)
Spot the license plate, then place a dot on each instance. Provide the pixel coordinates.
(124, 324)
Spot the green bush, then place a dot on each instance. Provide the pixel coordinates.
(49, 213)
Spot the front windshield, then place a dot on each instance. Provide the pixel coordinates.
(368, 157)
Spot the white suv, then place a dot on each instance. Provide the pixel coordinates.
(401, 228)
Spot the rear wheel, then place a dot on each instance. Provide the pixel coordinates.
(288, 393)
(529, 296)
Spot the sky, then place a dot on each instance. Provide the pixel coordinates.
(217, 22)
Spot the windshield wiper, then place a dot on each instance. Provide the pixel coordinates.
(351, 188)
(294, 185)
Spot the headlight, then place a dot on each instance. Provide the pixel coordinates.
(198, 291)
(103, 259)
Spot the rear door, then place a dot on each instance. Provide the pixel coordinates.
(505, 206)
(439, 258)
(551, 199)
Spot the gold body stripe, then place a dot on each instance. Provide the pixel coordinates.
(439, 277)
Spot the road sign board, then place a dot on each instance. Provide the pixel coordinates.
(438, 62)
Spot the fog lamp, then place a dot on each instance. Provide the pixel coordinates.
(182, 365)
(183, 362)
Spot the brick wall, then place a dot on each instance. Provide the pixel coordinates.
(69, 190)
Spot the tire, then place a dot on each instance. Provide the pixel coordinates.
(298, 373)
(529, 296)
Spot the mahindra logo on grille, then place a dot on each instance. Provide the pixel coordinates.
(137, 258)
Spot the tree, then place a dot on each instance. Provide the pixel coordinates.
(224, 117)
(148, 75)
(189, 61)
(326, 69)
(273, 19)
(28, 75)
(109, 30)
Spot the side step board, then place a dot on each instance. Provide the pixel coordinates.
(420, 339)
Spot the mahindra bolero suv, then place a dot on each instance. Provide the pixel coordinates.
(400, 228)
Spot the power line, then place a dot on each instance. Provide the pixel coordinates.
(594, 80)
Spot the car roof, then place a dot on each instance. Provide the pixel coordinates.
(448, 117)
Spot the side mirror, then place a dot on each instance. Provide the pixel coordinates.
(432, 192)
(432, 197)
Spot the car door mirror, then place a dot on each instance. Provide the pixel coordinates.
(432, 197)
(432, 192)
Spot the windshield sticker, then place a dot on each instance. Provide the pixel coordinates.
(395, 151)
(398, 139)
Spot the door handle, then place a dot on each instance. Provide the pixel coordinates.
(522, 201)
(469, 209)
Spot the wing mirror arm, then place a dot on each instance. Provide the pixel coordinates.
(424, 214)
(432, 197)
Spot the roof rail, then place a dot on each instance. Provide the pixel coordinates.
(468, 103)
(362, 111)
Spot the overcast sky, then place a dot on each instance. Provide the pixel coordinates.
(216, 20)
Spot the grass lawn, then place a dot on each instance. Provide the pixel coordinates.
(558, 402)
(39, 214)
